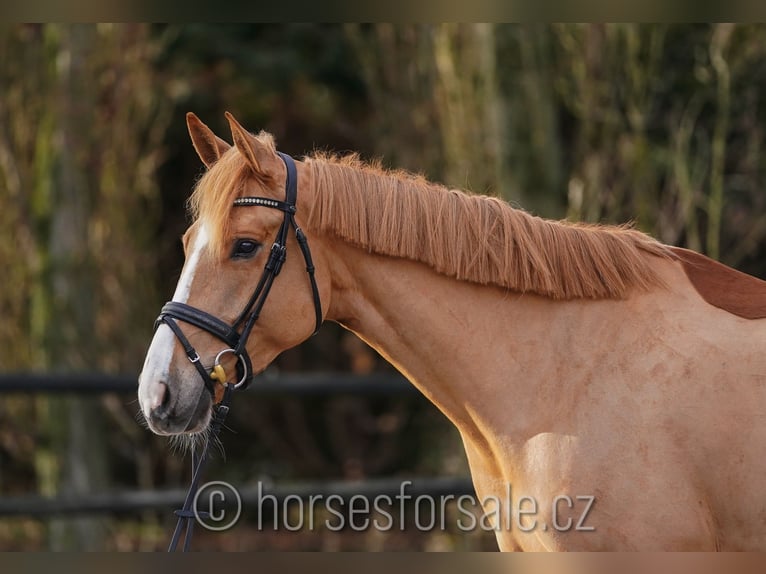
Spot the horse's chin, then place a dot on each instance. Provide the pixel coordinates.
(198, 423)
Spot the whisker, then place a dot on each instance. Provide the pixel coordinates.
(218, 446)
(141, 419)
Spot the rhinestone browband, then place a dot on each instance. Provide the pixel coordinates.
(257, 201)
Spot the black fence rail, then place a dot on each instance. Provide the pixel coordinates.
(295, 384)
(269, 384)
(127, 502)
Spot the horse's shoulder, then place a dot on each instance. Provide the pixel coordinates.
(724, 287)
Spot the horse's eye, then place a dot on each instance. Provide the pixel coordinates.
(244, 249)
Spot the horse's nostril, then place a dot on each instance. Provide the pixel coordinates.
(160, 401)
(165, 396)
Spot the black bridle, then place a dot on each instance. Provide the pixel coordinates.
(237, 340)
(231, 335)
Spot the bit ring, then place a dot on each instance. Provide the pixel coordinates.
(241, 359)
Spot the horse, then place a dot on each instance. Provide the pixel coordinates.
(616, 384)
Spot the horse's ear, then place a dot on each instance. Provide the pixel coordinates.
(257, 154)
(209, 146)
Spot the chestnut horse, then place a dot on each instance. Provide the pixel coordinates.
(610, 391)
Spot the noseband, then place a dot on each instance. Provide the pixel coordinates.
(236, 340)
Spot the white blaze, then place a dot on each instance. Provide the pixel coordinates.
(157, 364)
(190, 267)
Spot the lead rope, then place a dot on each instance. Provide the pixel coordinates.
(187, 515)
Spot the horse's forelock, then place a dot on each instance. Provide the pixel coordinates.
(213, 197)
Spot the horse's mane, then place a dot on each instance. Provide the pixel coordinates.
(470, 237)
(476, 238)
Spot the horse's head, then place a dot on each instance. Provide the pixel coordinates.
(224, 300)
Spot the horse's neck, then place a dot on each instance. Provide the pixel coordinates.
(476, 352)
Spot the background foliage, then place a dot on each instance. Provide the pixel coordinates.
(660, 124)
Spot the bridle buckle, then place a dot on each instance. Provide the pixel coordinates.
(277, 258)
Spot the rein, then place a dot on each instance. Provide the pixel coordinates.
(235, 339)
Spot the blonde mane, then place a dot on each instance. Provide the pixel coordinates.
(469, 237)
(476, 238)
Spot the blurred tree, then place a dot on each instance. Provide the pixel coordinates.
(81, 134)
(665, 126)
